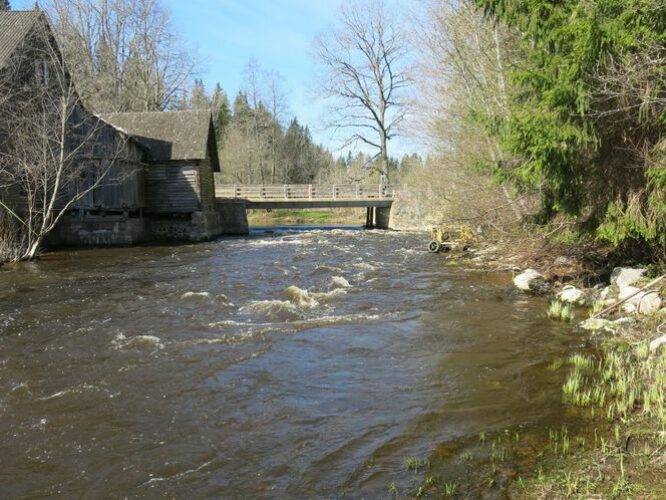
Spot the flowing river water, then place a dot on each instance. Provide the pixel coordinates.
(289, 364)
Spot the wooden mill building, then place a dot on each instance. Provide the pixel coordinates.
(159, 184)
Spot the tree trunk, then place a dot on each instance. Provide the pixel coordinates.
(384, 157)
(34, 248)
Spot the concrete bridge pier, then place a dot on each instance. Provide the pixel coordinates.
(378, 217)
(382, 217)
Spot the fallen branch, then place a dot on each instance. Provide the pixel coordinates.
(617, 304)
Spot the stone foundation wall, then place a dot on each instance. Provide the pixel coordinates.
(169, 228)
(99, 230)
(110, 230)
(198, 226)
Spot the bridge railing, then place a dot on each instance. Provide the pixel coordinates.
(311, 192)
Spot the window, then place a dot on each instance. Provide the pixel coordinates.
(42, 72)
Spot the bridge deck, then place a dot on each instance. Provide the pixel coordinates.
(291, 196)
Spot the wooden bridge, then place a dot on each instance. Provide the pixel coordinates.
(377, 198)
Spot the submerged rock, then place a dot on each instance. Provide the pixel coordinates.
(597, 324)
(626, 276)
(572, 295)
(531, 281)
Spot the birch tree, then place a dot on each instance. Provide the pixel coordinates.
(364, 76)
(52, 152)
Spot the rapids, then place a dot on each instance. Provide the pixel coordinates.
(292, 363)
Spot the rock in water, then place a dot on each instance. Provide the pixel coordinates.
(571, 295)
(531, 281)
(626, 276)
(597, 324)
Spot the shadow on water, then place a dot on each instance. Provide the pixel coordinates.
(299, 362)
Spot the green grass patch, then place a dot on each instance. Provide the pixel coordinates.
(559, 311)
(306, 217)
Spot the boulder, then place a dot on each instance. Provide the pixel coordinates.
(650, 302)
(531, 281)
(640, 302)
(572, 295)
(606, 293)
(626, 276)
(629, 308)
(657, 343)
(630, 291)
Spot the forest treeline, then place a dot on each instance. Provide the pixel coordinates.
(562, 99)
(543, 110)
(126, 56)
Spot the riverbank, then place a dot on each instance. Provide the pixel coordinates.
(614, 386)
(306, 217)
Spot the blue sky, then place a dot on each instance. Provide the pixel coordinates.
(277, 33)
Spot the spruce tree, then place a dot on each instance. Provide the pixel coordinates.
(221, 113)
(199, 99)
(4, 5)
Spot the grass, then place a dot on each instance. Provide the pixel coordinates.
(621, 389)
(614, 446)
(560, 311)
(306, 217)
(414, 464)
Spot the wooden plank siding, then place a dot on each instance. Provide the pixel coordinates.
(122, 185)
(207, 186)
(173, 189)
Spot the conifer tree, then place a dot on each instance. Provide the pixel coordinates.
(4, 5)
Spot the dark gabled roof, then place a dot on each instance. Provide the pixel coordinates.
(168, 135)
(14, 27)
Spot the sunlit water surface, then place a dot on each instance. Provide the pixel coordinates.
(287, 364)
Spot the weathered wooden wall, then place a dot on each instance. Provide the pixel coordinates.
(172, 189)
(207, 186)
(118, 160)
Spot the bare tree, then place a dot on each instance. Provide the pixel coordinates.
(462, 69)
(365, 75)
(53, 153)
(124, 53)
(277, 104)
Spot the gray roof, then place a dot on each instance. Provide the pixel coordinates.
(168, 135)
(14, 26)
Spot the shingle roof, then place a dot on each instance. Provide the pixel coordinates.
(14, 26)
(169, 135)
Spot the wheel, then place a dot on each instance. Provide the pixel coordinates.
(434, 246)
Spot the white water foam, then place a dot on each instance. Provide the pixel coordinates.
(138, 341)
(339, 282)
(70, 390)
(300, 297)
(190, 295)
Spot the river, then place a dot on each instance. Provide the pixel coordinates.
(291, 363)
